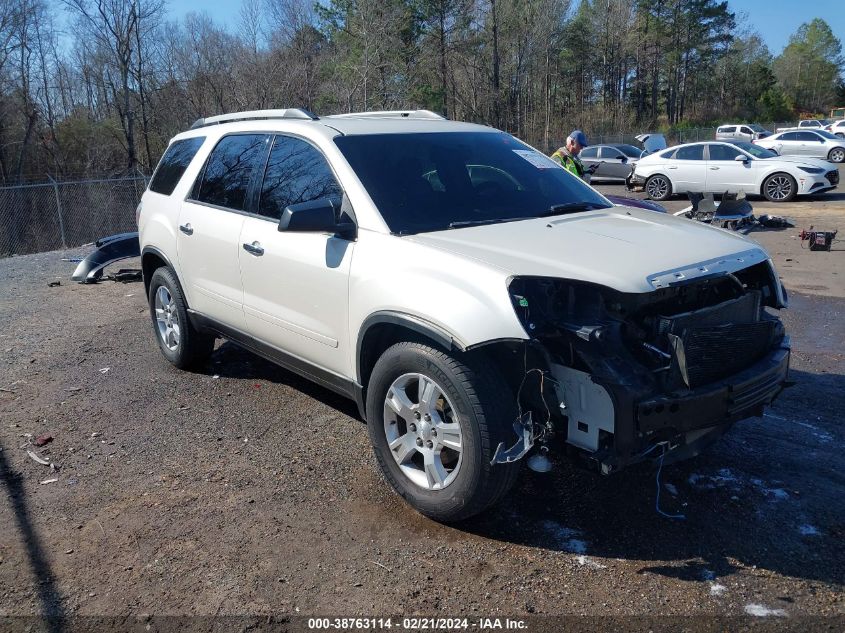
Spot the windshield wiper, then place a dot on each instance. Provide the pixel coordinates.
(574, 207)
(463, 223)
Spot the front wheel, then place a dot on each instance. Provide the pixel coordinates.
(435, 421)
(179, 341)
(658, 187)
(780, 188)
(836, 155)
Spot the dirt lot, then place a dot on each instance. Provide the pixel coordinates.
(244, 490)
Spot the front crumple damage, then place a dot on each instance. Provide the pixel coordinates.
(109, 250)
(672, 367)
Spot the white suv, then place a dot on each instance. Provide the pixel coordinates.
(477, 301)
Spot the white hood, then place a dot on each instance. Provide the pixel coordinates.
(821, 163)
(624, 248)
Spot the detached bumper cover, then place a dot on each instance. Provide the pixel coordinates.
(109, 250)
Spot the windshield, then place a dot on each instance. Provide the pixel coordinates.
(630, 150)
(757, 128)
(755, 150)
(435, 181)
(827, 134)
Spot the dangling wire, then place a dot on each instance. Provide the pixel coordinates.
(681, 517)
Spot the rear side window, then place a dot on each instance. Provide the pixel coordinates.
(788, 136)
(174, 163)
(728, 129)
(229, 169)
(590, 152)
(296, 172)
(692, 152)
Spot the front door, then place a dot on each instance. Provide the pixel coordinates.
(210, 222)
(725, 173)
(296, 284)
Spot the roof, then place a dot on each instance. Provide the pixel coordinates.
(290, 119)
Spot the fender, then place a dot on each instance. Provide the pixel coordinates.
(416, 324)
(109, 250)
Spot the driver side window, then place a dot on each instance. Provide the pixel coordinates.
(296, 172)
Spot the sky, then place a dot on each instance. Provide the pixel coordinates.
(775, 20)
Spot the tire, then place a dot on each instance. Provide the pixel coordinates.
(836, 155)
(178, 340)
(471, 406)
(658, 187)
(779, 187)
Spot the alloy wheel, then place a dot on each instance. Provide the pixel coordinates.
(167, 318)
(422, 431)
(837, 155)
(779, 188)
(657, 187)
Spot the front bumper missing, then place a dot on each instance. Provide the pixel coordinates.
(690, 420)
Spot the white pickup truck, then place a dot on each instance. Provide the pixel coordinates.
(816, 124)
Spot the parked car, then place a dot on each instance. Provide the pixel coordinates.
(837, 128)
(474, 315)
(813, 143)
(803, 124)
(741, 132)
(614, 162)
(717, 167)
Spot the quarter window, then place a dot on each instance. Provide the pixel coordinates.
(296, 172)
(174, 163)
(229, 169)
(691, 152)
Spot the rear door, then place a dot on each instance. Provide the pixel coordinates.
(210, 223)
(786, 144)
(296, 284)
(725, 173)
(687, 169)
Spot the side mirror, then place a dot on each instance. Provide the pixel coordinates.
(623, 159)
(742, 158)
(316, 216)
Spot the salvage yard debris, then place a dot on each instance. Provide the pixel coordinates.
(36, 457)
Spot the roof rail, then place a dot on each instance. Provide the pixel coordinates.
(389, 114)
(284, 113)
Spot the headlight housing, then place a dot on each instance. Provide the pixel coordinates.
(811, 170)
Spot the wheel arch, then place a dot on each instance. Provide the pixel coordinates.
(151, 260)
(384, 329)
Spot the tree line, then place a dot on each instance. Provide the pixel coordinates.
(94, 87)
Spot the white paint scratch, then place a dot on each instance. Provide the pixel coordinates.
(808, 530)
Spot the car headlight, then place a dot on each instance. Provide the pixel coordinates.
(812, 170)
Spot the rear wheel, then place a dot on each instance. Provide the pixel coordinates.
(179, 341)
(836, 155)
(658, 187)
(780, 188)
(435, 421)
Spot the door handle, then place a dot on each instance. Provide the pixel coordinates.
(714, 168)
(255, 249)
(187, 229)
(673, 167)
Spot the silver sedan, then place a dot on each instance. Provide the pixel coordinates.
(808, 143)
(614, 161)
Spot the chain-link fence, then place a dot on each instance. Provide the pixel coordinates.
(676, 136)
(53, 215)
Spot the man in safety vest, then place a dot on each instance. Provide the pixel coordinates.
(567, 156)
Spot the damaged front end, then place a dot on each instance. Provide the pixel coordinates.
(625, 372)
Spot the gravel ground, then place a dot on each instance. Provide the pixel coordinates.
(242, 489)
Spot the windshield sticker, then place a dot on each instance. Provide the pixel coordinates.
(536, 158)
